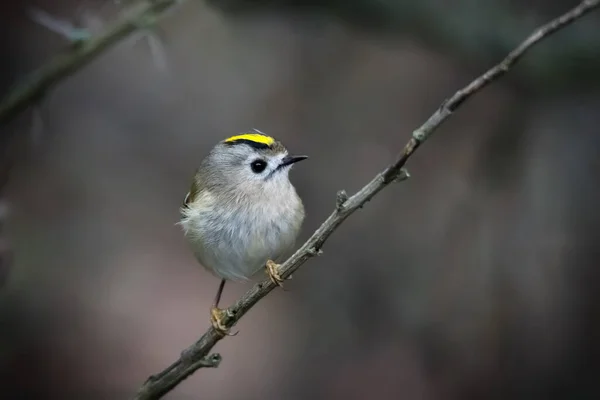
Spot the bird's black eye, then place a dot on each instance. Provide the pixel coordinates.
(258, 166)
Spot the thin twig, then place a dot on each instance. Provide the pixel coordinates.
(79, 54)
(192, 358)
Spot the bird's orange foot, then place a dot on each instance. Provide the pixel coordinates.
(274, 273)
(216, 319)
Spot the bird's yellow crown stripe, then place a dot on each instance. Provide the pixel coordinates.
(252, 137)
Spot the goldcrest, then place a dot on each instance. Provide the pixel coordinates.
(242, 214)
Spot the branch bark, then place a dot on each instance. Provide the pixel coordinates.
(197, 355)
(78, 55)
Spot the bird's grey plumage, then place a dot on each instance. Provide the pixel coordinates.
(236, 219)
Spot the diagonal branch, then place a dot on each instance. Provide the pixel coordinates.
(78, 55)
(197, 355)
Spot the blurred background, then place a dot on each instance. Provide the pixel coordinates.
(476, 279)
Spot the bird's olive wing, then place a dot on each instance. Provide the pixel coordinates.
(192, 194)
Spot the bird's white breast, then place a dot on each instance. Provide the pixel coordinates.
(234, 239)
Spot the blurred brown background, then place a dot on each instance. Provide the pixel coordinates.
(476, 279)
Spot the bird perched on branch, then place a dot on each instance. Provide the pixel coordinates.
(242, 214)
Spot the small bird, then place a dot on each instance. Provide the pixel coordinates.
(242, 214)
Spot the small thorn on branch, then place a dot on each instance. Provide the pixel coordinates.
(402, 175)
(66, 29)
(314, 252)
(211, 361)
(340, 200)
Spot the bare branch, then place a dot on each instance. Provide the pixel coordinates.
(79, 54)
(194, 357)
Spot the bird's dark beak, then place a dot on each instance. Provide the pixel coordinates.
(289, 160)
